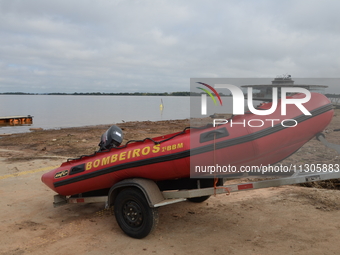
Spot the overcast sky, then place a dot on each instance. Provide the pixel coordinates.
(157, 46)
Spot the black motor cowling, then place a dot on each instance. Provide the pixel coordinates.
(111, 138)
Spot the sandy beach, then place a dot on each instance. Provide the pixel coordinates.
(282, 220)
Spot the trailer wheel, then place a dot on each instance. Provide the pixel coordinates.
(133, 213)
(198, 199)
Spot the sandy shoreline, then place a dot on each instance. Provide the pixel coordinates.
(284, 220)
(83, 140)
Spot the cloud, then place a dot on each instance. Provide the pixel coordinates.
(118, 46)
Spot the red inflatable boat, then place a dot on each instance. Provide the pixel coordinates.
(245, 140)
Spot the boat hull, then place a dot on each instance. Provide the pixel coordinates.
(254, 141)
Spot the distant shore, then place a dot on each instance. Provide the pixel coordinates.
(176, 94)
(179, 93)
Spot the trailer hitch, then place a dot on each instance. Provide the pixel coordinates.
(321, 137)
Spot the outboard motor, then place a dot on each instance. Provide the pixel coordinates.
(111, 138)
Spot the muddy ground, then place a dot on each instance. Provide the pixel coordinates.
(283, 220)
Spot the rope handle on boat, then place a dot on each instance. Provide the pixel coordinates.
(155, 142)
(136, 141)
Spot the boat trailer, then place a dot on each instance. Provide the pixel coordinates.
(135, 200)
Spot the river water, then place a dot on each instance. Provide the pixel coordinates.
(58, 111)
(61, 111)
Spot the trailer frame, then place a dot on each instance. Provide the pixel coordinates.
(175, 196)
(136, 200)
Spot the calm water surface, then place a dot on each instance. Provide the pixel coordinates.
(52, 112)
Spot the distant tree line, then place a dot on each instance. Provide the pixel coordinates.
(18, 93)
(179, 93)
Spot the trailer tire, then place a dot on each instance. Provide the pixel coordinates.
(133, 213)
(198, 199)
